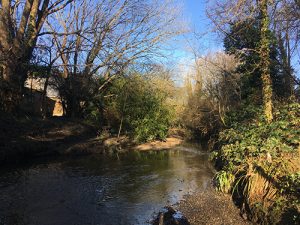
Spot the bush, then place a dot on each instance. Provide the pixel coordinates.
(151, 127)
(134, 105)
(264, 159)
(146, 112)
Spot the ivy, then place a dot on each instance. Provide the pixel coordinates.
(272, 148)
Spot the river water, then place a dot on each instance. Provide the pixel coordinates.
(101, 190)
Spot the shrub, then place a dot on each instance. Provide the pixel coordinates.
(135, 106)
(264, 159)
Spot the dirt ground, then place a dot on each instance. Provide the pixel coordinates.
(159, 145)
(28, 138)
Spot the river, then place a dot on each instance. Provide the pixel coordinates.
(101, 190)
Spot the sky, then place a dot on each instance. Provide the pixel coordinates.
(195, 15)
(194, 11)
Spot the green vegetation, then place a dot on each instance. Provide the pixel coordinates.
(246, 102)
(264, 160)
(257, 150)
(138, 106)
(95, 60)
(101, 63)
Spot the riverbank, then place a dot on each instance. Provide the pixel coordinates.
(27, 138)
(258, 164)
(31, 138)
(210, 207)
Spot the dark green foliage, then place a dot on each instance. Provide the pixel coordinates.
(270, 150)
(145, 112)
(243, 41)
(93, 112)
(134, 105)
(255, 137)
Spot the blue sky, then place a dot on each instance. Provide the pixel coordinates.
(180, 55)
(194, 14)
(195, 10)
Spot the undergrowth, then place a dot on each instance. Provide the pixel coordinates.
(260, 163)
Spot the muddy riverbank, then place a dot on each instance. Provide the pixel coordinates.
(210, 207)
(26, 138)
(21, 141)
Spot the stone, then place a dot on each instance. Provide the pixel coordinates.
(169, 216)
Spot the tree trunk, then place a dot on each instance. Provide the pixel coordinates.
(9, 73)
(44, 108)
(14, 84)
(265, 61)
(73, 108)
(289, 74)
(286, 65)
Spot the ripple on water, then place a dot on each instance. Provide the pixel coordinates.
(99, 189)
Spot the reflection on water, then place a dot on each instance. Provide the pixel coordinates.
(100, 190)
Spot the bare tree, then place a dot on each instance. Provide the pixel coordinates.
(227, 12)
(220, 82)
(214, 88)
(286, 25)
(20, 26)
(103, 38)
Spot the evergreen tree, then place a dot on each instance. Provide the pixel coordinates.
(243, 40)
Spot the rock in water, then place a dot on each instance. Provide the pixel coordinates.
(169, 216)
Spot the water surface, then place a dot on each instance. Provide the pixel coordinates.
(101, 190)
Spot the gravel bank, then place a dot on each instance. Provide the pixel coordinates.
(210, 207)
